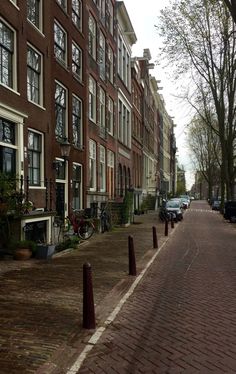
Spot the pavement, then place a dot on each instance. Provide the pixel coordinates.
(41, 300)
(181, 316)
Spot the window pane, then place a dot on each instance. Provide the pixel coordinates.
(33, 8)
(6, 55)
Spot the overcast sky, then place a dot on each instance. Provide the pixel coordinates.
(143, 16)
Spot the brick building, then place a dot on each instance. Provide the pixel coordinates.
(76, 128)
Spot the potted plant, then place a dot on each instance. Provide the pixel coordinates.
(24, 249)
(44, 250)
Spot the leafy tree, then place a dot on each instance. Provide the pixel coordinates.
(199, 40)
(204, 144)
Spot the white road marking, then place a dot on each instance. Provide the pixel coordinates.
(98, 333)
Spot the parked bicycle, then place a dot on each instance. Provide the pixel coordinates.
(105, 218)
(81, 224)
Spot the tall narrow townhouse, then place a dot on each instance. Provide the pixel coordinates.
(102, 98)
(148, 128)
(125, 39)
(137, 121)
(68, 102)
(26, 123)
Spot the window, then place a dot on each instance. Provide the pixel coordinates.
(6, 55)
(124, 125)
(77, 61)
(102, 9)
(92, 99)
(110, 16)
(92, 165)
(102, 56)
(34, 157)
(77, 121)
(33, 75)
(92, 37)
(102, 111)
(77, 13)
(63, 4)
(7, 147)
(110, 116)
(102, 170)
(60, 111)
(110, 173)
(110, 64)
(77, 186)
(34, 12)
(59, 43)
(124, 62)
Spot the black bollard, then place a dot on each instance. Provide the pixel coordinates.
(88, 302)
(166, 227)
(132, 262)
(172, 222)
(154, 235)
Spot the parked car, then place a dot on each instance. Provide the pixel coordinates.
(186, 200)
(230, 210)
(216, 205)
(174, 206)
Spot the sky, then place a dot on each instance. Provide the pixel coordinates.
(143, 19)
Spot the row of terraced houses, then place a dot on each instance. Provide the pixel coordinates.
(81, 119)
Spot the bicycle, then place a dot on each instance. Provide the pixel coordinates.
(81, 224)
(105, 219)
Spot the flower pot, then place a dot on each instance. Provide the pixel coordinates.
(44, 251)
(22, 254)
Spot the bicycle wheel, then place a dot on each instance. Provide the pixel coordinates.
(86, 230)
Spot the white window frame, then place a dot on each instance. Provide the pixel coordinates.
(102, 56)
(65, 132)
(124, 123)
(58, 47)
(102, 168)
(111, 173)
(40, 75)
(110, 64)
(110, 16)
(41, 182)
(77, 13)
(92, 36)
(93, 161)
(63, 6)
(110, 108)
(92, 99)
(13, 84)
(78, 63)
(38, 26)
(102, 108)
(74, 206)
(79, 127)
(124, 57)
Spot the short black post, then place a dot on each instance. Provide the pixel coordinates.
(132, 262)
(154, 235)
(88, 302)
(166, 227)
(172, 222)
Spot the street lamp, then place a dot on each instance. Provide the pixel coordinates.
(65, 147)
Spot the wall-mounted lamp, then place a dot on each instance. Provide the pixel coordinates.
(65, 147)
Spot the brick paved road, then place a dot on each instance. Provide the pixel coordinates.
(181, 318)
(41, 301)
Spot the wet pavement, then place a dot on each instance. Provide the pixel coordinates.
(41, 301)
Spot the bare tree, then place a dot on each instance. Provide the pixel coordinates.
(231, 5)
(199, 41)
(205, 148)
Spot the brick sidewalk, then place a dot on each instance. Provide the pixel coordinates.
(41, 301)
(181, 317)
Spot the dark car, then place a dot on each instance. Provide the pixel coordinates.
(216, 205)
(230, 210)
